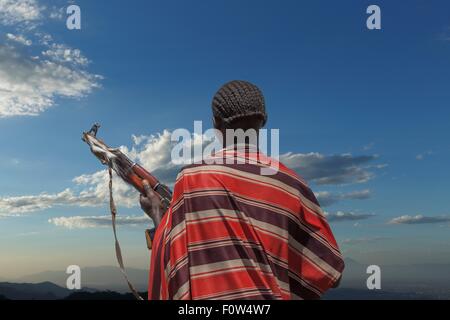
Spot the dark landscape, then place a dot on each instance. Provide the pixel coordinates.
(107, 283)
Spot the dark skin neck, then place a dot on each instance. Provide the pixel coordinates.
(244, 124)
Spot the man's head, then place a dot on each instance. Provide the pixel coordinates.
(239, 105)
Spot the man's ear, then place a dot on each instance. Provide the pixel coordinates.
(262, 123)
(218, 123)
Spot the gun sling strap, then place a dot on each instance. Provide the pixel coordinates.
(113, 209)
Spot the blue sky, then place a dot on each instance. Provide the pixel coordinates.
(332, 87)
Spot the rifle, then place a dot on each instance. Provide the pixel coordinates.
(133, 174)
(129, 171)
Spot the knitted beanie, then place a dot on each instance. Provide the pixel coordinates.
(239, 99)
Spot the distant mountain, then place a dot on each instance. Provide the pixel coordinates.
(360, 294)
(101, 278)
(354, 275)
(103, 295)
(337, 294)
(28, 291)
(397, 282)
(430, 278)
(50, 291)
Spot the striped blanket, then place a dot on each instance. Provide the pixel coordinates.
(232, 233)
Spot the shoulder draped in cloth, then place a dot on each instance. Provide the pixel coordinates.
(232, 233)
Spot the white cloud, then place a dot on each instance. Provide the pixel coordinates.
(14, 206)
(91, 190)
(19, 39)
(347, 216)
(86, 222)
(33, 78)
(369, 146)
(28, 234)
(30, 86)
(57, 13)
(419, 219)
(364, 240)
(328, 170)
(96, 185)
(422, 156)
(152, 152)
(61, 53)
(20, 12)
(357, 195)
(326, 198)
(44, 39)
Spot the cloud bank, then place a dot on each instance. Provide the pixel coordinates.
(15, 206)
(19, 39)
(26, 12)
(327, 199)
(34, 70)
(154, 153)
(419, 219)
(364, 240)
(89, 222)
(331, 170)
(347, 216)
(30, 85)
